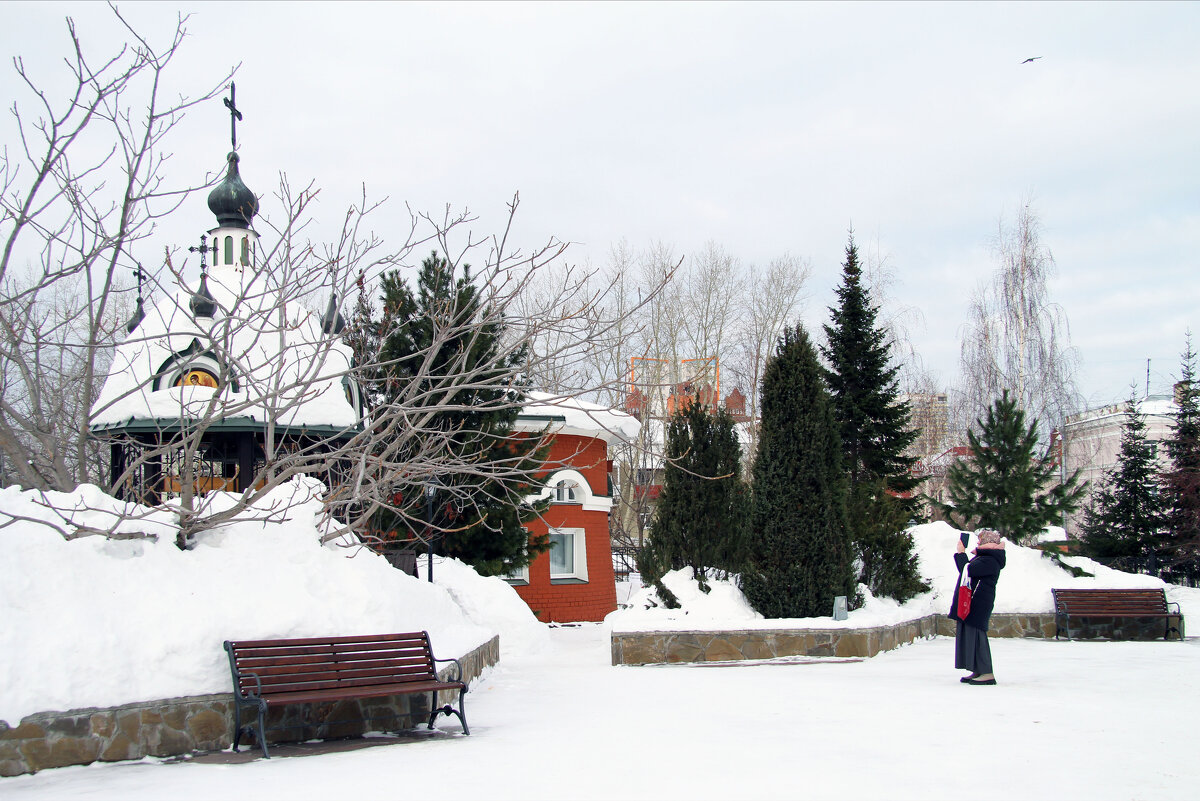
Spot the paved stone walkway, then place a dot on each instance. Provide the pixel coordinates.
(315, 747)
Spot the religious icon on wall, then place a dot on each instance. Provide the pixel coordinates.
(197, 377)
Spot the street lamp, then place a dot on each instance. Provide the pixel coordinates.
(430, 491)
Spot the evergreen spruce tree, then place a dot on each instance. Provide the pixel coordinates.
(1127, 514)
(874, 424)
(879, 521)
(1181, 484)
(1003, 484)
(477, 518)
(800, 556)
(702, 512)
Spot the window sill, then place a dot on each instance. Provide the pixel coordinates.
(568, 580)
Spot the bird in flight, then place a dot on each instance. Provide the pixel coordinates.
(1026, 61)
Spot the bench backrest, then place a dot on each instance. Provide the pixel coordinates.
(1101, 602)
(319, 663)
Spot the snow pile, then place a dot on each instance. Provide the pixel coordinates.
(1028, 576)
(1052, 534)
(1024, 586)
(723, 606)
(99, 622)
(490, 602)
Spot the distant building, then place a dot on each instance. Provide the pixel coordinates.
(1092, 442)
(930, 412)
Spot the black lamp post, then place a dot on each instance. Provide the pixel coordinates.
(430, 491)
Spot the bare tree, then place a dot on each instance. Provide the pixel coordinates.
(71, 214)
(900, 321)
(711, 293)
(772, 299)
(1015, 338)
(246, 343)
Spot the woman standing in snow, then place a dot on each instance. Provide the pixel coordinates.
(971, 649)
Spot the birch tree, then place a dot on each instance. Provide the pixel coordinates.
(1016, 338)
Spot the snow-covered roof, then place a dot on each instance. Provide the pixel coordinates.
(567, 415)
(1152, 406)
(279, 365)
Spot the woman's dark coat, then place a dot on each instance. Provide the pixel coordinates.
(983, 570)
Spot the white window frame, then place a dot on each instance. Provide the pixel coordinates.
(566, 491)
(579, 572)
(517, 577)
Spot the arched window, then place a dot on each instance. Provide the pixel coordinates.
(229, 250)
(245, 250)
(565, 492)
(193, 367)
(216, 249)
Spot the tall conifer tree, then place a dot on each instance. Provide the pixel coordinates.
(1127, 515)
(872, 417)
(874, 424)
(800, 556)
(1181, 483)
(701, 517)
(1003, 484)
(477, 518)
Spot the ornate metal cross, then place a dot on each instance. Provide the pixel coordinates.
(202, 249)
(234, 114)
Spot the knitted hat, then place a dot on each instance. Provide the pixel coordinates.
(988, 536)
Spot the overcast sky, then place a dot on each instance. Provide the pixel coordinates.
(766, 128)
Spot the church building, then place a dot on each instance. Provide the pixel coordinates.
(220, 375)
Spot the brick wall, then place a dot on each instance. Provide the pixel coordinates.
(566, 602)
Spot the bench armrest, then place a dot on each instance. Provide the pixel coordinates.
(237, 676)
(257, 686)
(1175, 604)
(457, 665)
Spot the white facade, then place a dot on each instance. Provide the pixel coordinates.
(1092, 442)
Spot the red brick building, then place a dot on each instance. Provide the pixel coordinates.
(574, 580)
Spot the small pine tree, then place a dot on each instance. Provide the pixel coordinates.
(1002, 484)
(1181, 484)
(427, 337)
(799, 556)
(702, 513)
(1127, 513)
(874, 424)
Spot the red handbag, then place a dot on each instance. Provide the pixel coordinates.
(963, 598)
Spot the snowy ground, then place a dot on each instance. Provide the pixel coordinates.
(1069, 720)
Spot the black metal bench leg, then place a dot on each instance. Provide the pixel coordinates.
(448, 710)
(462, 711)
(262, 730)
(237, 725)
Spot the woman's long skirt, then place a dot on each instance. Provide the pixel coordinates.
(971, 649)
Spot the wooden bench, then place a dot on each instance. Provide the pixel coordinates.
(1076, 604)
(272, 673)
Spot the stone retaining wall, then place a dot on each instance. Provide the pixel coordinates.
(175, 726)
(659, 647)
